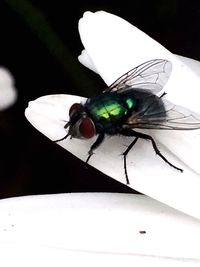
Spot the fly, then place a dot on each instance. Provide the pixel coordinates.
(134, 101)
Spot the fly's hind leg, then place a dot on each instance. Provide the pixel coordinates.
(129, 132)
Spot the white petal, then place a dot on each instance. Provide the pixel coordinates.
(96, 230)
(147, 172)
(193, 64)
(115, 46)
(86, 60)
(8, 94)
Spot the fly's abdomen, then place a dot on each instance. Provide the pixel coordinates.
(108, 112)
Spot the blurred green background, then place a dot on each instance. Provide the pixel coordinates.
(39, 44)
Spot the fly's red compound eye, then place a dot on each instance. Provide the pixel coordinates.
(74, 108)
(87, 128)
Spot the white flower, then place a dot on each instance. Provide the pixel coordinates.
(8, 93)
(112, 47)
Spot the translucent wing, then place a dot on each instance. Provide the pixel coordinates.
(151, 75)
(172, 117)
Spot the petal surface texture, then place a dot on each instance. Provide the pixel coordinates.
(101, 229)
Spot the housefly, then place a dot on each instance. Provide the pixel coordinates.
(134, 101)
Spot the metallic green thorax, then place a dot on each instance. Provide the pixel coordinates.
(109, 111)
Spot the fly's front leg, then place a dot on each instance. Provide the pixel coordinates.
(97, 143)
(163, 94)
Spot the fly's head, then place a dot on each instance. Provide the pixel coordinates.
(80, 124)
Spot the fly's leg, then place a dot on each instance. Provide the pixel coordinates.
(61, 139)
(128, 132)
(97, 143)
(125, 154)
(65, 137)
(163, 94)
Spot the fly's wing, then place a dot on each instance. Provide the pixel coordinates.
(180, 118)
(151, 75)
(171, 117)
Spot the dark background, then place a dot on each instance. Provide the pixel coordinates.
(39, 44)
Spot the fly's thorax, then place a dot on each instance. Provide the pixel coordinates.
(109, 111)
